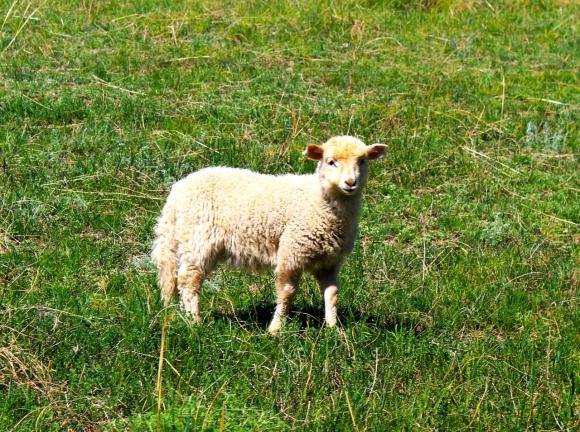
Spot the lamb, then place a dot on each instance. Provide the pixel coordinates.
(293, 223)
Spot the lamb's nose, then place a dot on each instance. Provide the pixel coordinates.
(350, 182)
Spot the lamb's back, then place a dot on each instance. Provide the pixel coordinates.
(240, 193)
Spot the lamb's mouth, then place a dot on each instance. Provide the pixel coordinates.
(348, 190)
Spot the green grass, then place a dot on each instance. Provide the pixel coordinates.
(460, 302)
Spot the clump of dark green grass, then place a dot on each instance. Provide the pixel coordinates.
(459, 305)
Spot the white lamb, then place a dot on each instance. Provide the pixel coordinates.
(293, 223)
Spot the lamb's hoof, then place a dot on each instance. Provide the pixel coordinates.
(192, 319)
(330, 324)
(334, 328)
(275, 328)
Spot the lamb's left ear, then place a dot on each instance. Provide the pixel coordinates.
(376, 151)
(314, 152)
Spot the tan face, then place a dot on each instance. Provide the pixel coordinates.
(343, 163)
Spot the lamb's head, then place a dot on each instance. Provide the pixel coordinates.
(343, 163)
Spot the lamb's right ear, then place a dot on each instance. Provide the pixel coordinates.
(314, 152)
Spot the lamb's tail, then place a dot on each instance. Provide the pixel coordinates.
(164, 254)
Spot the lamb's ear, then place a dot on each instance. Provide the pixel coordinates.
(376, 151)
(314, 152)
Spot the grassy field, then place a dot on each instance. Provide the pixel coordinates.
(459, 305)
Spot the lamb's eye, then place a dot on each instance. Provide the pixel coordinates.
(361, 162)
(332, 162)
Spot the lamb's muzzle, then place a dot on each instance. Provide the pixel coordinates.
(293, 223)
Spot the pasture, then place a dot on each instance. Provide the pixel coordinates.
(459, 305)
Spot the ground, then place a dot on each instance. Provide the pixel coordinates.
(459, 306)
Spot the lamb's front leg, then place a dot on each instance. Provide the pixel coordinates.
(328, 282)
(286, 287)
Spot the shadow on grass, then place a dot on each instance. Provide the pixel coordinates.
(260, 315)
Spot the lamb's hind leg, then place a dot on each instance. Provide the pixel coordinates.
(190, 276)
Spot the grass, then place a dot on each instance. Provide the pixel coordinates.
(459, 304)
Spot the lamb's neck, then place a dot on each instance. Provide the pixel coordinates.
(346, 208)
